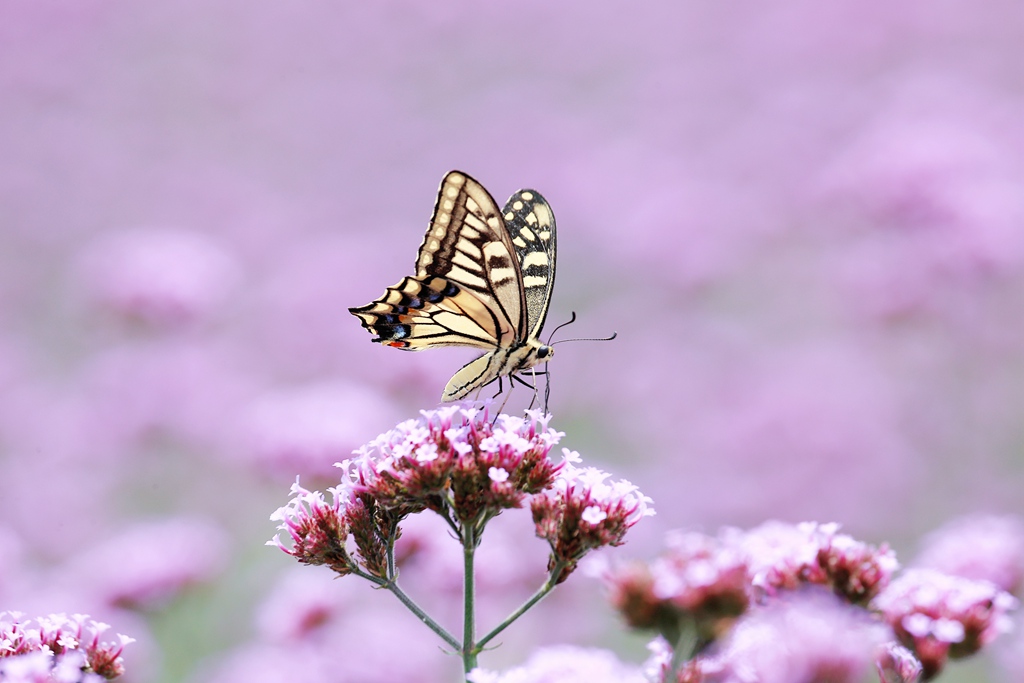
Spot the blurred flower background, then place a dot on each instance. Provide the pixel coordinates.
(805, 221)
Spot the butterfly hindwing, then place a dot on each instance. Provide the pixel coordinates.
(419, 313)
(531, 226)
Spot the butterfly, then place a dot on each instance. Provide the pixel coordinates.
(483, 279)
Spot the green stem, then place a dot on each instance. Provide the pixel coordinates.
(469, 648)
(548, 586)
(423, 616)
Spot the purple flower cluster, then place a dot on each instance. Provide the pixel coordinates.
(582, 511)
(795, 602)
(57, 649)
(939, 616)
(458, 463)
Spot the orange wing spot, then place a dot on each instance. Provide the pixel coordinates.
(396, 344)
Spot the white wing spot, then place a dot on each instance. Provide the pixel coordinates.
(517, 205)
(534, 281)
(443, 218)
(452, 191)
(527, 234)
(531, 219)
(435, 245)
(509, 216)
(519, 242)
(447, 205)
(439, 232)
(535, 258)
(527, 196)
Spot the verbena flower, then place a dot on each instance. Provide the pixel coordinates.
(807, 636)
(454, 459)
(698, 581)
(783, 556)
(458, 463)
(58, 648)
(318, 530)
(583, 511)
(897, 664)
(939, 616)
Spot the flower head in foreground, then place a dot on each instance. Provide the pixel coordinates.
(582, 511)
(938, 616)
(320, 530)
(58, 648)
(455, 459)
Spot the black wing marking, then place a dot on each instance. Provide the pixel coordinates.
(419, 314)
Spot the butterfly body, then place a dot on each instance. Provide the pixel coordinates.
(483, 279)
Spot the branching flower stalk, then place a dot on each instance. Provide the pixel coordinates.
(460, 464)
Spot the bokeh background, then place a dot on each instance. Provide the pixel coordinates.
(805, 221)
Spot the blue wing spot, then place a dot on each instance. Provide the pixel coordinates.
(392, 333)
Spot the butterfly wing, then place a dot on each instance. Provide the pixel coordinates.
(531, 226)
(467, 290)
(419, 314)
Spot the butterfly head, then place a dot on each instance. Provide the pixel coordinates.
(531, 353)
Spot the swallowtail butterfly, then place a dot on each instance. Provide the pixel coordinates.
(483, 279)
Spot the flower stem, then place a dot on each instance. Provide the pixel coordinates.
(548, 586)
(423, 616)
(469, 647)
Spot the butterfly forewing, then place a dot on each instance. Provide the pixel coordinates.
(467, 244)
(531, 226)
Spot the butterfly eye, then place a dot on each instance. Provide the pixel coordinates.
(545, 352)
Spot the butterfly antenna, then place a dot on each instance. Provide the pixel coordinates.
(613, 336)
(570, 321)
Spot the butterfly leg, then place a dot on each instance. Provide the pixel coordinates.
(509, 393)
(533, 385)
(547, 388)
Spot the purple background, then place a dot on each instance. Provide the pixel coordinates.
(805, 221)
